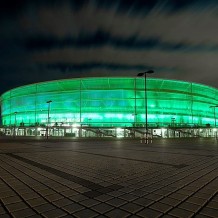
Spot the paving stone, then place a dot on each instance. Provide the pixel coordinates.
(35, 216)
(115, 193)
(44, 207)
(202, 195)
(16, 206)
(153, 196)
(25, 190)
(170, 201)
(162, 192)
(104, 198)
(209, 212)
(215, 198)
(54, 197)
(201, 216)
(116, 202)
(208, 191)
(5, 216)
(185, 192)
(2, 210)
(150, 213)
(28, 196)
(60, 188)
(115, 187)
(160, 207)
(117, 213)
(126, 190)
(68, 193)
(89, 202)
(5, 194)
(139, 193)
(198, 201)
(78, 198)
(47, 191)
(54, 213)
(189, 206)
(167, 216)
(92, 194)
(71, 208)
(86, 213)
(40, 187)
(143, 201)
(36, 201)
(68, 216)
(213, 204)
(62, 202)
(23, 213)
(178, 196)
(128, 197)
(102, 208)
(11, 200)
(178, 212)
(131, 207)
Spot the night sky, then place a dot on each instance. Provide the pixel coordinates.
(55, 39)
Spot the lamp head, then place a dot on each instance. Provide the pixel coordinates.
(140, 74)
(48, 101)
(149, 71)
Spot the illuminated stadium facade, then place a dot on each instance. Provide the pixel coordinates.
(109, 106)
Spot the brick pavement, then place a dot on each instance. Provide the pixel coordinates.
(109, 178)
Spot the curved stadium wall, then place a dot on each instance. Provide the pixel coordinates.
(110, 102)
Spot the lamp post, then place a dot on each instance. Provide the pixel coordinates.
(15, 122)
(48, 102)
(214, 107)
(146, 103)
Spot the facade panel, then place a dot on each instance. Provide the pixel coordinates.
(116, 101)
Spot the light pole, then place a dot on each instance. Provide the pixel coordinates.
(214, 111)
(146, 103)
(48, 102)
(15, 122)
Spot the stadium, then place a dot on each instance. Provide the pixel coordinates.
(113, 106)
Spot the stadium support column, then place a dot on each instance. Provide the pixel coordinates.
(146, 103)
(48, 119)
(214, 113)
(80, 109)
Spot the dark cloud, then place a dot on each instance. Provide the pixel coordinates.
(89, 66)
(44, 40)
(101, 38)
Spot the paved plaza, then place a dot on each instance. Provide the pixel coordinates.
(109, 178)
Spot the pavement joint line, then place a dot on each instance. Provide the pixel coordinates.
(2, 204)
(177, 166)
(96, 189)
(203, 155)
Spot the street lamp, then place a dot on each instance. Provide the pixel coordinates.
(48, 102)
(214, 107)
(146, 103)
(15, 122)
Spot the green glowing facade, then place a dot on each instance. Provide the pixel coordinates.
(110, 102)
